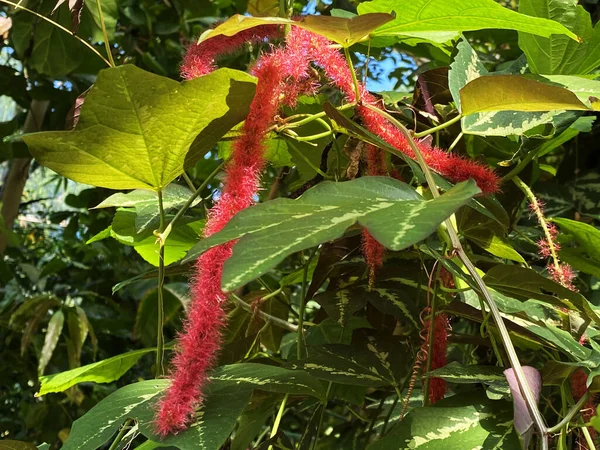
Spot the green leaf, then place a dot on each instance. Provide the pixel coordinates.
(371, 362)
(340, 305)
(585, 89)
(515, 93)
(179, 241)
(559, 54)
(345, 31)
(595, 421)
(104, 371)
(465, 68)
(53, 332)
(147, 313)
(461, 422)
(215, 418)
(276, 152)
(487, 234)
(392, 211)
(525, 284)
(7, 444)
(586, 257)
(110, 13)
(135, 128)
(339, 364)
(423, 16)
(536, 318)
(252, 422)
(457, 373)
(268, 379)
(146, 204)
(50, 50)
(331, 332)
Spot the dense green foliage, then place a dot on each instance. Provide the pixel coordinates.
(103, 212)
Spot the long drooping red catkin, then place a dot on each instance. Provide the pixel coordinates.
(372, 250)
(200, 58)
(454, 167)
(578, 389)
(441, 327)
(283, 75)
(201, 337)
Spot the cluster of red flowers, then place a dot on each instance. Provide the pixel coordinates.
(283, 75)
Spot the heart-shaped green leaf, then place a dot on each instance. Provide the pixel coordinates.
(135, 128)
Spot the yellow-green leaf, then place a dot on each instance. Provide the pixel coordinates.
(345, 31)
(138, 130)
(515, 93)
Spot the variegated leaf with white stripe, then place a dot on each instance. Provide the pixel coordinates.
(462, 422)
(392, 211)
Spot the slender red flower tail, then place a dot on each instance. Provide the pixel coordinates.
(441, 327)
(578, 389)
(548, 247)
(201, 338)
(200, 58)
(372, 250)
(454, 167)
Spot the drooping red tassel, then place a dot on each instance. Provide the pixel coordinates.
(200, 59)
(454, 167)
(578, 389)
(441, 327)
(282, 74)
(372, 250)
(200, 340)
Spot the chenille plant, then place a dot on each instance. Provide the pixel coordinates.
(331, 265)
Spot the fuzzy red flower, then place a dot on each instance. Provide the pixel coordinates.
(454, 167)
(201, 337)
(578, 389)
(200, 58)
(372, 250)
(441, 327)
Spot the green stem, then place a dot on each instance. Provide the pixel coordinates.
(456, 141)
(120, 435)
(388, 416)
(588, 438)
(353, 72)
(519, 168)
(162, 236)
(427, 380)
(312, 137)
(60, 27)
(570, 414)
(160, 338)
(541, 219)
(189, 181)
(320, 424)
(306, 160)
(277, 422)
(267, 317)
(460, 252)
(300, 344)
(308, 118)
(105, 33)
(439, 127)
